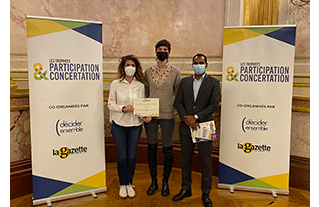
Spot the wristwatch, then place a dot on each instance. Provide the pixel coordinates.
(196, 117)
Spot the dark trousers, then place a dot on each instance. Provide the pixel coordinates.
(205, 149)
(167, 129)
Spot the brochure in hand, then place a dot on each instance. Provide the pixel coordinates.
(206, 132)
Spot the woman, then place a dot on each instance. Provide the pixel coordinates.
(126, 129)
(163, 80)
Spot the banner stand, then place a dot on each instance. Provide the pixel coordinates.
(65, 71)
(74, 195)
(232, 189)
(258, 72)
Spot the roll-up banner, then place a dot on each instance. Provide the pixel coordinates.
(66, 108)
(258, 68)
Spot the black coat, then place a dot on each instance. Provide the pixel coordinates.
(207, 101)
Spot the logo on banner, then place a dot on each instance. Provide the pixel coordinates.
(65, 69)
(38, 74)
(249, 147)
(249, 124)
(64, 152)
(230, 74)
(255, 72)
(65, 127)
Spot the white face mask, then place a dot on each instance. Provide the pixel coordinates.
(129, 70)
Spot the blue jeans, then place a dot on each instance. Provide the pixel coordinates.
(126, 141)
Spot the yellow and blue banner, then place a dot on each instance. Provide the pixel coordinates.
(66, 108)
(258, 68)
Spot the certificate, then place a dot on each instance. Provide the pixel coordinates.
(206, 132)
(146, 107)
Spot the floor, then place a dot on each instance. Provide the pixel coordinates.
(220, 197)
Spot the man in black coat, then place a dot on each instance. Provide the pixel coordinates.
(197, 99)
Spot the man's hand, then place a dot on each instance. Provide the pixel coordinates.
(189, 120)
(195, 126)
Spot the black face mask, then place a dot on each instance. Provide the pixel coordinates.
(162, 55)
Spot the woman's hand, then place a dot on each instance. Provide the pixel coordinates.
(147, 119)
(127, 108)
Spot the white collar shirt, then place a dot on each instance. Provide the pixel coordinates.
(197, 84)
(121, 94)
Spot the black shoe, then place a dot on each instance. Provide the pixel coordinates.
(165, 189)
(207, 201)
(182, 194)
(152, 188)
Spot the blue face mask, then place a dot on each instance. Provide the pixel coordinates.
(199, 69)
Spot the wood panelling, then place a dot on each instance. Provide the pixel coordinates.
(20, 178)
(21, 172)
(299, 176)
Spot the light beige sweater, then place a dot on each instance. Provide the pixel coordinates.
(165, 92)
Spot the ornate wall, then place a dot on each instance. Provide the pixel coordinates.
(133, 26)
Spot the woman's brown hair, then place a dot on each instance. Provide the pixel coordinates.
(139, 75)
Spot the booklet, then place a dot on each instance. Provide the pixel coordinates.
(206, 132)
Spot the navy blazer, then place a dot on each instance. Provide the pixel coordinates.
(207, 101)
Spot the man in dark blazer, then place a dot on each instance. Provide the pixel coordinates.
(197, 99)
